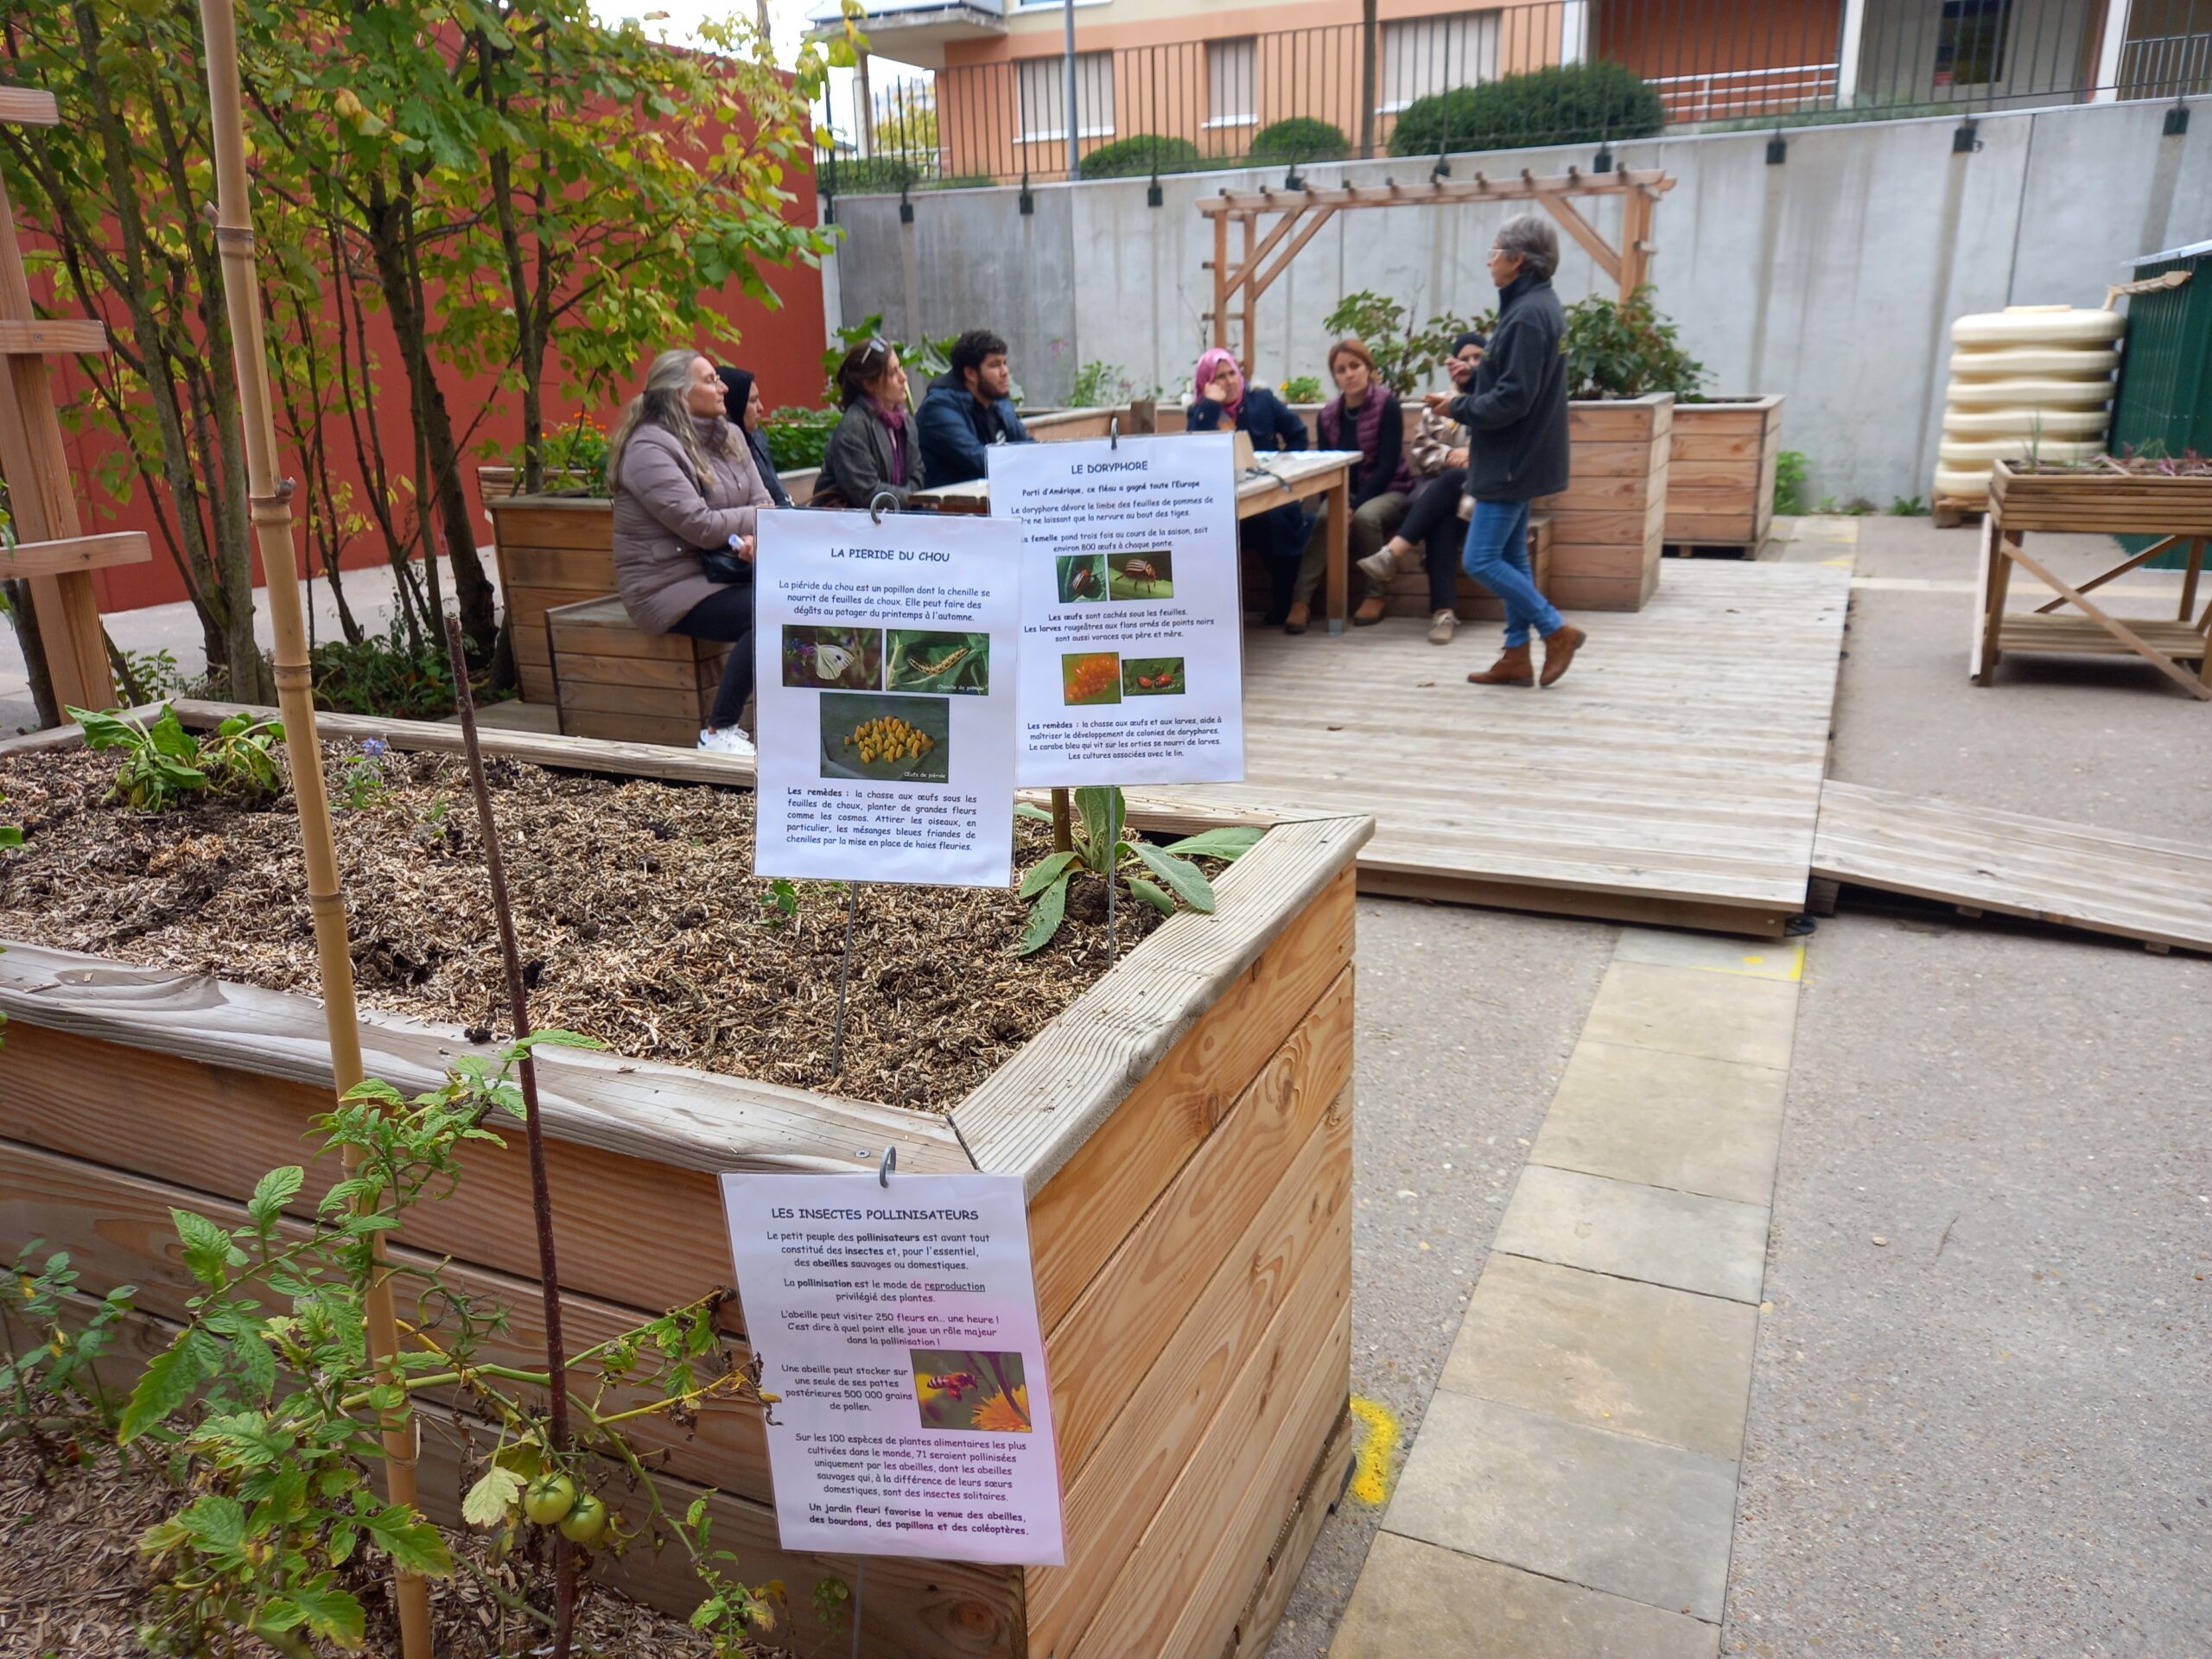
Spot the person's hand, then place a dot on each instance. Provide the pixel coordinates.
(1216, 392)
(1455, 457)
(744, 549)
(1436, 400)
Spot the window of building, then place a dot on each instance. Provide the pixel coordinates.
(1041, 86)
(1970, 42)
(1232, 87)
(1433, 55)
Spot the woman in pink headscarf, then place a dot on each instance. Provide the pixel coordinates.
(1223, 402)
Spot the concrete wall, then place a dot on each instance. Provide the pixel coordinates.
(1832, 278)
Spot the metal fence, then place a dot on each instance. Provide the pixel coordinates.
(1538, 73)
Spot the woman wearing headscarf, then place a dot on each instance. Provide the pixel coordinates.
(745, 410)
(1221, 402)
(686, 493)
(874, 447)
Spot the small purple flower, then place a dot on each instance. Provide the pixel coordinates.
(374, 746)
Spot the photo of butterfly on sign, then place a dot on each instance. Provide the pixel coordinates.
(843, 658)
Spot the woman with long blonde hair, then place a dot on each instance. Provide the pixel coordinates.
(686, 491)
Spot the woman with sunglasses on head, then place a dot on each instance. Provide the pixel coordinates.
(686, 491)
(1224, 402)
(742, 404)
(873, 447)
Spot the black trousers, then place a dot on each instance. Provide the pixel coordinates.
(1433, 522)
(726, 616)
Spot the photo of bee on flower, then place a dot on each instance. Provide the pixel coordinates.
(1140, 575)
(922, 660)
(973, 1391)
(851, 658)
(1083, 577)
(888, 740)
(1153, 676)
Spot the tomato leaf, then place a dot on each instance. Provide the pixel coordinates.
(331, 1613)
(164, 1385)
(272, 1192)
(491, 1497)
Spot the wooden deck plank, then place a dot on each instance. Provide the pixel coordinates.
(2136, 887)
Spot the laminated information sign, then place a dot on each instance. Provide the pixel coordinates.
(897, 1324)
(1131, 626)
(885, 698)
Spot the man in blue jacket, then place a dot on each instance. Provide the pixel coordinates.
(967, 409)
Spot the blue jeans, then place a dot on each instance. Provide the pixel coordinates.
(1498, 556)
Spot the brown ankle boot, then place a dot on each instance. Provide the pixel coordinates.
(1559, 648)
(1300, 613)
(1513, 667)
(1369, 612)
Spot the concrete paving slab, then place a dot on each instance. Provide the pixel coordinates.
(1665, 1365)
(1606, 1511)
(1714, 1246)
(1666, 1119)
(1683, 1011)
(1784, 959)
(1416, 1600)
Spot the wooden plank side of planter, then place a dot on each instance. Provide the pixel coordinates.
(1083, 1213)
(117, 1231)
(584, 522)
(1720, 478)
(1035, 1112)
(1297, 1251)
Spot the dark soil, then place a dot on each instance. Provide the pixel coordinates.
(74, 1586)
(640, 922)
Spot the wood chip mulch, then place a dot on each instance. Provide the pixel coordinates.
(640, 920)
(74, 1586)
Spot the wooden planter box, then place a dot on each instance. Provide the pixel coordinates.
(613, 680)
(1609, 524)
(553, 550)
(1184, 1131)
(1721, 472)
(2115, 503)
(493, 483)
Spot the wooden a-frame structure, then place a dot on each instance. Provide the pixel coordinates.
(1238, 285)
(50, 551)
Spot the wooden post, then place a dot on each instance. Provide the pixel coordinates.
(1221, 279)
(270, 509)
(1248, 347)
(1636, 239)
(37, 468)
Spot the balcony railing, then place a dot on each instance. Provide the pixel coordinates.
(1291, 97)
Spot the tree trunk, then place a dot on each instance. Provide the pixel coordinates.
(25, 617)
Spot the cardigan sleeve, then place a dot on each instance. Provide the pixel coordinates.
(663, 486)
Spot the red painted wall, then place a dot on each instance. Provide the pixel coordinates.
(782, 346)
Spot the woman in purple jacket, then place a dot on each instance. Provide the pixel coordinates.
(1364, 416)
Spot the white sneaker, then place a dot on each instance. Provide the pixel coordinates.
(728, 739)
(1379, 566)
(1441, 626)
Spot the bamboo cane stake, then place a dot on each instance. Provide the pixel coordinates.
(271, 513)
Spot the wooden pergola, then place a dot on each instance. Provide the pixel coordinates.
(1299, 214)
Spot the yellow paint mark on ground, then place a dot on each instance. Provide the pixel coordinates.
(1370, 1477)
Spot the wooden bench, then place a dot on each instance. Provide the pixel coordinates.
(1408, 594)
(611, 680)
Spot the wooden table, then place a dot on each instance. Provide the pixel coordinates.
(1294, 475)
(2167, 646)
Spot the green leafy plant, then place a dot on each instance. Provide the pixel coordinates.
(1299, 138)
(1626, 348)
(797, 436)
(1789, 482)
(1302, 388)
(163, 763)
(148, 675)
(1563, 104)
(1139, 154)
(1098, 829)
(397, 674)
(1404, 356)
(360, 783)
(52, 1382)
(10, 835)
(1907, 506)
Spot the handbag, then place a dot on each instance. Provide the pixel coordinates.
(723, 566)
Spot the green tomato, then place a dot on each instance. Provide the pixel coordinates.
(548, 1499)
(586, 1524)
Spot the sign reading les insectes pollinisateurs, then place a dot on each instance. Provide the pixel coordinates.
(884, 697)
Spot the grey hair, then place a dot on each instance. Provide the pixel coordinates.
(661, 403)
(1531, 236)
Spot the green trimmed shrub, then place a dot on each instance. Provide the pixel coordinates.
(1567, 104)
(796, 436)
(1142, 153)
(1301, 138)
(867, 176)
(1625, 349)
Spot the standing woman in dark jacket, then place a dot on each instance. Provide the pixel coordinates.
(1224, 402)
(1515, 418)
(742, 406)
(684, 486)
(874, 447)
(1365, 415)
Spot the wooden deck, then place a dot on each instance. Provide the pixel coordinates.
(2159, 892)
(1673, 777)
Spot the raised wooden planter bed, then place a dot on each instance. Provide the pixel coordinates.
(1721, 461)
(553, 550)
(1609, 524)
(1183, 1130)
(2151, 504)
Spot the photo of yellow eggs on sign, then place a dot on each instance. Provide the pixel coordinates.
(887, 739)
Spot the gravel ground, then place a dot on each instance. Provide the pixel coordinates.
(1466, 1019)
